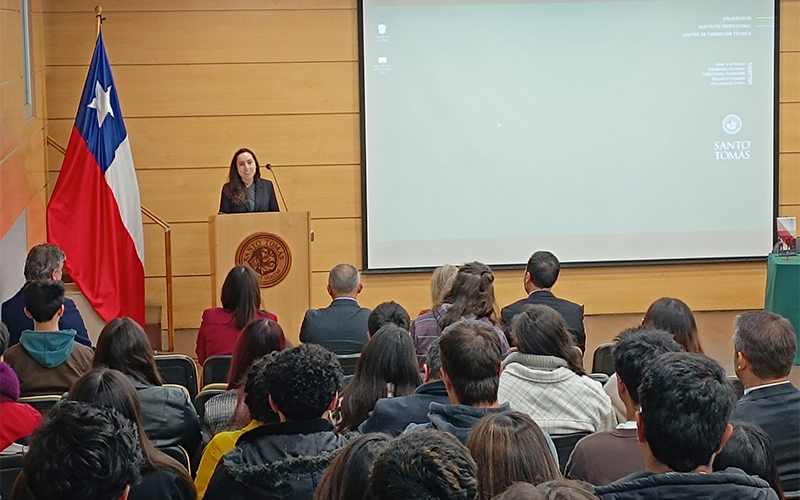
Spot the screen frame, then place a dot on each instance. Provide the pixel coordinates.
(366, 269)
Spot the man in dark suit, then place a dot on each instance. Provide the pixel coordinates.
(765, 346)
(392, 415)
(44, 262)
(540, 276)
(342, 326)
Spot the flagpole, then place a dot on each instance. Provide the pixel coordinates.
(99, 15)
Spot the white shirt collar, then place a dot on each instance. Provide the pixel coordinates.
(630, 424)
(345, 298)
(751, 389)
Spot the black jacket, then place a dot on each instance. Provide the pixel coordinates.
(265, 200)
(730, 484)
(572, 313)
(777, 410)
(160, 485)
(392, 415)
(282, 461)
(340, 328)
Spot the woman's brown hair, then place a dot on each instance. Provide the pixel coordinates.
(124, 346)
(674, 317)
(472, 294)
(510, 447)
(241, 295)
(542, 330)
(235, 188)
(347, 477)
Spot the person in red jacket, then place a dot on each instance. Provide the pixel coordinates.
(241, 303)
(19, 419)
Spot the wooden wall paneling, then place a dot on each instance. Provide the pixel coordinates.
(12, 116)
(10, 45)
(113, 6)
(789, 22)
(790, 127)
(335, 241)
(326, 191)
(36, 225)
(190, 36)
(789, 192)
(789, 211)
(227, 89)
(37, 123)
(189, 249)
(790, 76)
(194, 142)
(9, 5)
(192, 296)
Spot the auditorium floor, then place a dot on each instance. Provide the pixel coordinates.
(716, 330)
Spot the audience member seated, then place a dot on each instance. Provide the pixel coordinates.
(169, 418)
(750, 449)
(241, 303)
(424, 465)
(545, 378)
(672, 316)
(81, 452)
(557, 489)
(388, 312)
(686, 403)
(162, 477)
(47, 360)
(604, 457)
(387, 368)
(471, 357)
(510, 447)
(347, 477)
(342, 326)
(256, 401)
(441, 283)
(18, 419)
(540, 276)
(286, 460)
(392, 415)
(227, 411)
(44, 262)
(765, 346)
(471, 296)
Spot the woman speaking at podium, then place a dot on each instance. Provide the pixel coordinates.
(245, 190)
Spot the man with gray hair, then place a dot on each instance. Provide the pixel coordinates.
(342, 326)
(44, 262)
(765, 346)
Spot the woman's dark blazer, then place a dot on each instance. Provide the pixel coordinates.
(265, 200)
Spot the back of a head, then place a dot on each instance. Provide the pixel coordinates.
(768, 342)
(509, 447)
(388, 312)
(5, 338)
(541, 330)
(124, 346)
(42, 260)
(387, 367)
(636, 348)
(347, 477)
(110, 389)
(472, 293)
(566, 489)
(686, 404)
(303, 381)
(543, 267)
(471, 356)
(256, 392)
(241, 294)
(674, 317)
(82, 451)
(424, 465)
(441, 283)
(43, 299)
(433, 360)
(520, 491)
(750, 449)
(260, 336)
(344, 279)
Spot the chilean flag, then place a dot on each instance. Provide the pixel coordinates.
(94, 214)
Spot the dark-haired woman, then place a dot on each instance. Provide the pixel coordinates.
(347, 477)
(387, 368)
(227, 411)
(241, 303)
(245, 190)
(471, 296)
(750, 449)
(162, 477)
(545, 378)
(168, 416)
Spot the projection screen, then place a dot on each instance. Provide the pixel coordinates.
(604, 131)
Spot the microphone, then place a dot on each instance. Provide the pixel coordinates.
(278, 185)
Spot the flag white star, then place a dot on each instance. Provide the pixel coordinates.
(102, 103)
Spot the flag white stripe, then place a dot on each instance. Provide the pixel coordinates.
(121, 177)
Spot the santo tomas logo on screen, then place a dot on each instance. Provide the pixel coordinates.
(729, 149)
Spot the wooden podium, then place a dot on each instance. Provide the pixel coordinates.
(276, 246)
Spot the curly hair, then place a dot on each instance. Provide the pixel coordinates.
(303, 381)
(256, 396)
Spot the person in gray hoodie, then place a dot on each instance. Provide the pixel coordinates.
(47, 359)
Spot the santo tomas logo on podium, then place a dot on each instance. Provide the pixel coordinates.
(268, 255)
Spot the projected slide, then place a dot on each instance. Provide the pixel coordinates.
(602, 131)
